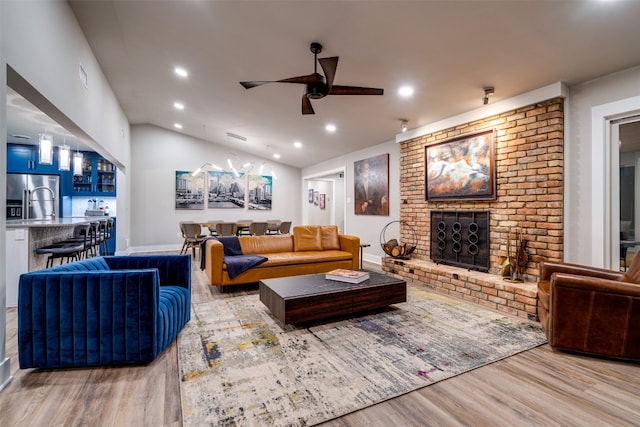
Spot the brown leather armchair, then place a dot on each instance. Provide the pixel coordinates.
(591, 310)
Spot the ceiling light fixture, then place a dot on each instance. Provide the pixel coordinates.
(488, 91)
(177, 125)
(404, 125)
(405, 91)
(77, 161)
(330, 127)
(297, 144)
(207, 164)
(178, 106)
(45, 155)
(181, 72)
(276, 155)
(64, 157)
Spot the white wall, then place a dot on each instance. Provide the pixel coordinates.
(156, 154)
(42, 42)
(367, 227)
(585, 172)
(315, 215)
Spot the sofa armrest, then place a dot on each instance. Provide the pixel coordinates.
(172, 269)
(214, 259)
(548, 268)
(351, 244)
(75, 318)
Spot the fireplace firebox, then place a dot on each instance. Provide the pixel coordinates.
(461, 239)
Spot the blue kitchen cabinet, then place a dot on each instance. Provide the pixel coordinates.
(98, 177)
(23, 158)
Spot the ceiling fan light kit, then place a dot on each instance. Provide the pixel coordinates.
(318, 86)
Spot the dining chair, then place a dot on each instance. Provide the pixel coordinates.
(243, 227)
(211, 225)
(273, 226)
(193, 237)
(285, 226)
(226, 228)
(259, 228)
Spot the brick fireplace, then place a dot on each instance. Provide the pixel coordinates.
(529, 165)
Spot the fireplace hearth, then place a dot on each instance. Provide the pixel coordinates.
(461, 239)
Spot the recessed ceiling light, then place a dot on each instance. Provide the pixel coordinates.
(177, 125)
(405, 91)
(330, 127)
(297, 144)
(178, 105)
(181, 72)
(276, 155)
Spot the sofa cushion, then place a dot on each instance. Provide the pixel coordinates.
(306, 257)
(307, 238)
(330, 239)
(266, 244)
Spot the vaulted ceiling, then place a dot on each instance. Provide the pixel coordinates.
(447, 50)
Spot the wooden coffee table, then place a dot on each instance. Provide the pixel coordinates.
(301, 299)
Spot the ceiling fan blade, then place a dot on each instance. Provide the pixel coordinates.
(355, 90)
(308, 79)
(306, 105)
(329, 66)
(249, 85)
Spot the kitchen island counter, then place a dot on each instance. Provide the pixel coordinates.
(23, 237)
(57, 222)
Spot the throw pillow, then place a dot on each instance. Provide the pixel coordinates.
(330, 239)
(307, 238)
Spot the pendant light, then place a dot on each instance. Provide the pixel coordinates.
(77, 162)
(64, 157)
(45, 155)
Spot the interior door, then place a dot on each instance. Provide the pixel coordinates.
(625, 183)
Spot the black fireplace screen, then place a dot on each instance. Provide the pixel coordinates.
(460, 238)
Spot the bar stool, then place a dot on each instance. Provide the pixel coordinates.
(61, 250)
(81, 235)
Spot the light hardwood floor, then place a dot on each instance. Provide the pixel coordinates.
(539, 387)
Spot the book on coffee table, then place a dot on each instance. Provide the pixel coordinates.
(348, 276)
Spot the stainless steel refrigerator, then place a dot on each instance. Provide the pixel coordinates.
(32, 196)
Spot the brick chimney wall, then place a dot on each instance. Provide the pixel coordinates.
(529, 183)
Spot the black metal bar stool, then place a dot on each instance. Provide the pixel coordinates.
(61, 250)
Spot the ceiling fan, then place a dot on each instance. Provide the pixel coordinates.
(318, 86)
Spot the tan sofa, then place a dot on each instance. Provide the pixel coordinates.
(309, 249)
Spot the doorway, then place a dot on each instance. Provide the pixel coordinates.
(324, 200)
(627, 132)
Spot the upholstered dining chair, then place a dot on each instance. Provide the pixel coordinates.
(285, 227)
(259, 228)
(226, 228)
(273, 226)
(193, 237)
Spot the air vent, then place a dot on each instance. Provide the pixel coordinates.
(18, 136)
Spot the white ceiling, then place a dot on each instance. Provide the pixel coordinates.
(448, 50)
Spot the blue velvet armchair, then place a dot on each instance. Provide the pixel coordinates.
(110, 310)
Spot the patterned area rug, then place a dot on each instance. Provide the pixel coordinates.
(239, 366)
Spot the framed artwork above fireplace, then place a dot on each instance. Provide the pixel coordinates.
(461, 168)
